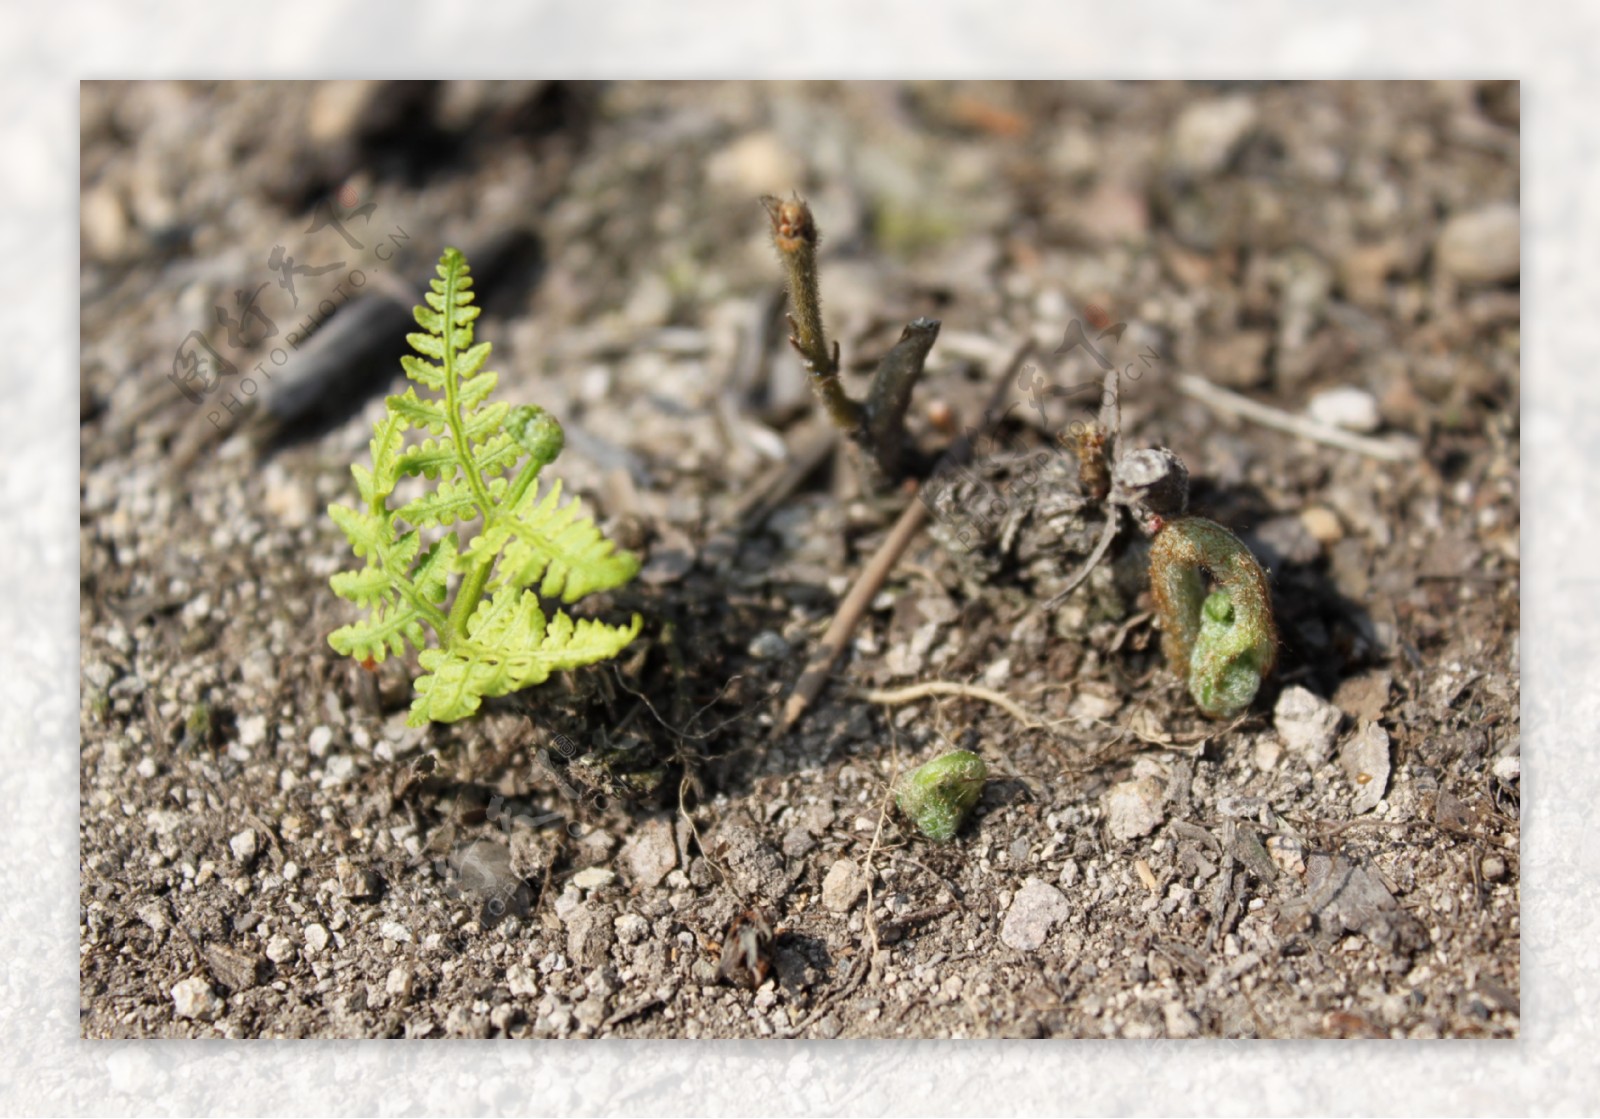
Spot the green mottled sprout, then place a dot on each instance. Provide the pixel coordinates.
(938, 796)
(1223, 642)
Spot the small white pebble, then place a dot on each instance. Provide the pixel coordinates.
(594, 877)
(316, 938)
(252, 730)
(1350, 408)
(280, 949)
(319, 740)
(194, 998)
(244, 846)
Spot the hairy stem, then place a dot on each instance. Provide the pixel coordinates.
(794, 232)
(877, 428)
(1222, 641)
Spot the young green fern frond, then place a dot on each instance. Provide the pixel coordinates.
(492, 637)
(1223, 642)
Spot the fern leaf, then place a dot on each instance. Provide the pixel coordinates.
(509, 647)
(562, 550)
(483, 459)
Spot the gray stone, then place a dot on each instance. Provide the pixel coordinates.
(398, 984)
(1037, 908)
(1207, 134)
(522, 980)
(650, 853)
(756, 866)
(843, 885)
(590, 934)
(1483, 245)
(1306, 722)
(1350, 408)
(1133, 808)
(594, 877)
(631, 928)
(316, 938)
(769, 646)
(1365, 758)
(797, 843)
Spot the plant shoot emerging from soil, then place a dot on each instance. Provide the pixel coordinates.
(939, 796)
(493, 637)
(1223, 641)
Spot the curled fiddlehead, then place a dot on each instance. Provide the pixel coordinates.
(1222, 640)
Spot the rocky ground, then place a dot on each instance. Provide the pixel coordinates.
(267, 850)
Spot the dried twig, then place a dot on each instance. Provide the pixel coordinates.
(1395, 449)
(794, 233)
(893, 697)
(872, 577)
(844, 623)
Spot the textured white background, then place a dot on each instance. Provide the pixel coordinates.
(46, 1069)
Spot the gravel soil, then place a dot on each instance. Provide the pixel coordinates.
(630, 850)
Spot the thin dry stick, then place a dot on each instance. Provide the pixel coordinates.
(844, 623)
(1398, 449)
(1111, 425)
(893, 697)
(872, 577)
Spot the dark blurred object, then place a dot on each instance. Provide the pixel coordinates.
(358, 350)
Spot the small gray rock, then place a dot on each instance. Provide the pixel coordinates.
(194, 998)
(398, 984)
(1133, 808)
(797, 843)
(843, 885)
(650, 853)
(316, 938)
(594, 877)
(1306, 722)
(1365, 758)
(1037, 908)
(1207, 134)
(590, 934)
(769, 646)
(756, 866)
(631, 928)
(522, 980)
(1483, 245)
(280, 949)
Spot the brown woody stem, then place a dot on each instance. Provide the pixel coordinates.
(891, 394)
(794, 233)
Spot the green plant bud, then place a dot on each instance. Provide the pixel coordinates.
(1222, 641)
(1226, 668)
(537, 432)
(939, 796)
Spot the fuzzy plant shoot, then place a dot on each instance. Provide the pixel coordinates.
(1222, 640)
(939, 795)
(492, 636)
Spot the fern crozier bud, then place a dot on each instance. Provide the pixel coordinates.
(939, 796)
(1223, 641)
